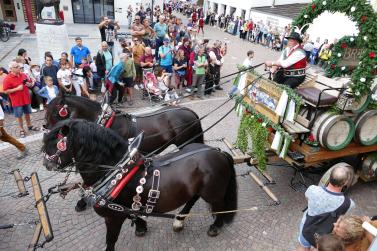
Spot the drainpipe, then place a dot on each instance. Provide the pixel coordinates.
(273, 4)
(29, 16)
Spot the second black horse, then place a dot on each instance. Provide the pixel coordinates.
(169, 125)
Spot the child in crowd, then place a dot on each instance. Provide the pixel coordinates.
(84, 62)
(79, 83)
(94, 80)
(151, 83)
(50, 91)
(64, 76)
(276, 44)
(324, 56)
(240, 84)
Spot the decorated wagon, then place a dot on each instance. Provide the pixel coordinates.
(324, 119)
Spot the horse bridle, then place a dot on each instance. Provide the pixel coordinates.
(61, 147)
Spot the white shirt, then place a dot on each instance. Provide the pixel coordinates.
(78, 79)
(296, 56)
(64, 75)
(51, 91)
(93, 67)
(247, 62)
(213, 58)
(308, 47)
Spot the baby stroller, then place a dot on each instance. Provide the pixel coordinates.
(152, 89)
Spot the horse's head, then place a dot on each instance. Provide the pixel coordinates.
(84, 144)
(57, 147)
(57, 110)
(70, 107)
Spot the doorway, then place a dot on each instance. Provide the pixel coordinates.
(90, 11)
(9, 12)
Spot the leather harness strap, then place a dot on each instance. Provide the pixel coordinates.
(154, 192)
(182, 156)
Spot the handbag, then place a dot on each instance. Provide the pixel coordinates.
(322, 224)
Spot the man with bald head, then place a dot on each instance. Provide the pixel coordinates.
(325, 205)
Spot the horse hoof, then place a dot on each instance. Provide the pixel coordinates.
(177, 225)
(213, 231)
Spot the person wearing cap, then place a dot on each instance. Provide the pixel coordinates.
(290, 67)
(16, 86)
(166, 54)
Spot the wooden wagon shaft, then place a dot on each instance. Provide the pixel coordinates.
(35, 239)
(41, 207)
(265, 188)
(20, 183)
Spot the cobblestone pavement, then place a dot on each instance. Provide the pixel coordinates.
(266, 228)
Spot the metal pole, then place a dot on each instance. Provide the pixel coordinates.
(152, 12)
(29, 16)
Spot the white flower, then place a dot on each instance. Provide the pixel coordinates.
(362, 80)
(264, 124)
(352, 39)
(360, 63)
(339, 55)
(324, 3)
(374, 96)
(343, 68)
(357, 93)
(365, 38)
(353, 8)
(305, 16)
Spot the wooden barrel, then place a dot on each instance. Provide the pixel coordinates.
(366, 128)
(333, 131)
(369, 167)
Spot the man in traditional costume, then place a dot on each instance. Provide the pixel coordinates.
(290, 68)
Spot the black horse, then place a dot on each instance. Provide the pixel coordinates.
(169, 125)
(196, 171)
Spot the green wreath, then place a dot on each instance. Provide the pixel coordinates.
(362, 13)
(334, 69)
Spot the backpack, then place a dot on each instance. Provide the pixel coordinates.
(321, 224)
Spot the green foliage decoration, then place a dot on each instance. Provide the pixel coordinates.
(362, 13)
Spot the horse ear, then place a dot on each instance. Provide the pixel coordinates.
(64, 130)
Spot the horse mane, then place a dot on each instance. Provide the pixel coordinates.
(91, 142)
(60, 99)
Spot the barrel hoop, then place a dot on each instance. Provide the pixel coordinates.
(364, 106)
(321, 120)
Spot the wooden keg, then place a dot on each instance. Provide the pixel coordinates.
(369, 167)
(333, 131)
(366, 128)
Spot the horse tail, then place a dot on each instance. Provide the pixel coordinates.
(231, 194)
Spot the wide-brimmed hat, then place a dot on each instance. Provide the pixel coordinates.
(295, 36)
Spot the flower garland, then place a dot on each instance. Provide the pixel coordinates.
(253, 127)
(258, 127)
(336, 70)
(363, 14)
